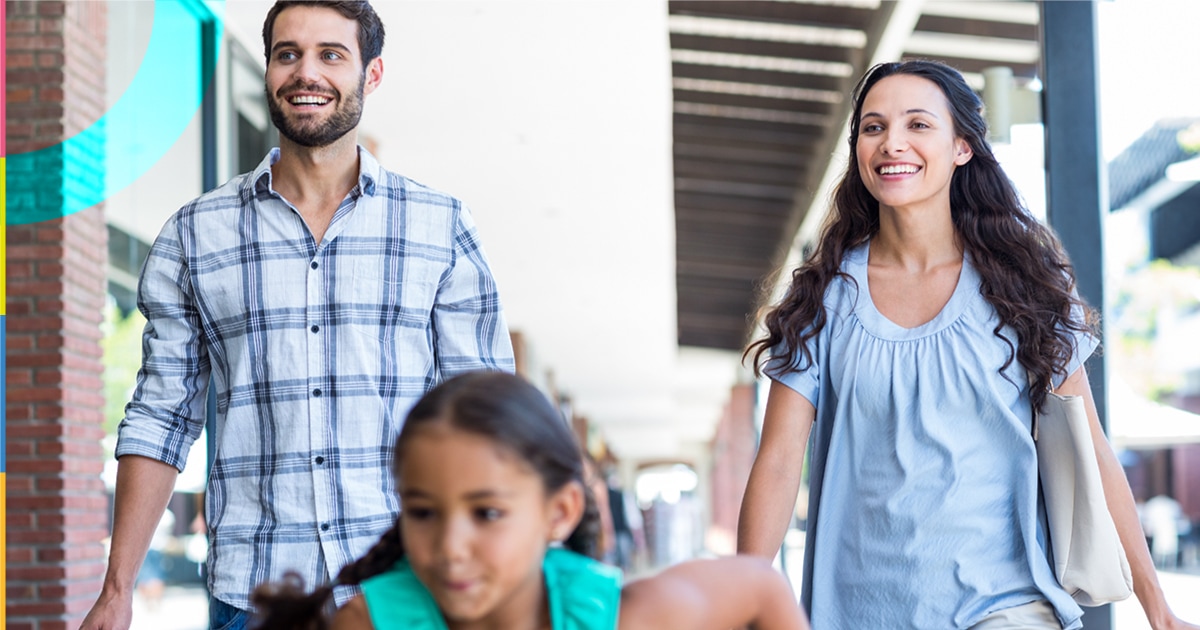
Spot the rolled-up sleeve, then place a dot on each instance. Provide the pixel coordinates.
(468, 321)
(166, 413)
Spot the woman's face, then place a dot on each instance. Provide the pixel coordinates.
(907, 149)
(476, 522)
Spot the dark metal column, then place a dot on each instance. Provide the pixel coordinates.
(1076, 180)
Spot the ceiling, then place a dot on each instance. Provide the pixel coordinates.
(761, 99)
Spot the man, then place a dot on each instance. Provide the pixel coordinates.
(320, 295)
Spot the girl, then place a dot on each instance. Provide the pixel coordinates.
(492, 481)
(914, 344)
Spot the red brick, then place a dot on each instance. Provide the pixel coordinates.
(49, 60)
(33, 431)
(17, 10)
(48, 377)
(17, 378)
(50, 232)
(17, 555)
(50, 94)
(33, 394)
(69, 591)
(18, 592)
(17, 95)
(37, 78)
(17, 486)
(21, 287)
(35, 42)
(52, 304)
(50, 25)
(74, 553)
(18, 307)
(17, 450)
(46, 7)
(51, 342)
(49, 129)
(37, 609)
(35, 322)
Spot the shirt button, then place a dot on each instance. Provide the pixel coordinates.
(324, 527)
(317, 392)
(320, 460)
(315, 328)
(314, 264)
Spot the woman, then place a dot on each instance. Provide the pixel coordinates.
(914, 345)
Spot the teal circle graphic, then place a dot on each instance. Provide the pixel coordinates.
(151, 115)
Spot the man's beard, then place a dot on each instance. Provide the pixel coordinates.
(343, 120)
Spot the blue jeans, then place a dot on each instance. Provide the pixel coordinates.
(222, 616)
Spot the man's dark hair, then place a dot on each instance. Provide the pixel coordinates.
(370, 28)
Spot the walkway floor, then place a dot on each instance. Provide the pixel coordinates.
(186, 607)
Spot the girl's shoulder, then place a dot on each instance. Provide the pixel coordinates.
(584, 594)
(396, 599)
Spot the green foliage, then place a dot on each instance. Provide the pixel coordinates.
(1150, 298)
(122, 345)
(1189, 139)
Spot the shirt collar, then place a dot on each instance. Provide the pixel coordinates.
(368, 172)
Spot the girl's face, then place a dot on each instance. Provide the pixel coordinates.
(907, 150)
(476, 522)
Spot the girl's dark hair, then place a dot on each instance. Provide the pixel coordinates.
(370, 27)
(501, 407)
(1025, 274)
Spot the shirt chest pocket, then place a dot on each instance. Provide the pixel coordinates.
(392, 297)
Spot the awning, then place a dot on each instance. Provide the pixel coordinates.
(1135, 422)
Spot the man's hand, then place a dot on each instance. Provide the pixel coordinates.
(110, 612)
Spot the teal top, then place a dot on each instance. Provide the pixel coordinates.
(583, 595)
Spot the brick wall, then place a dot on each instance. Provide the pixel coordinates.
(733, 447)
(56, 284)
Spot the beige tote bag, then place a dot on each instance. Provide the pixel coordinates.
(1089, 560)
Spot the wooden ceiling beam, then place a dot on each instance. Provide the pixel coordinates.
(757, 173)
(754, 102)
(966, 64)
(767, 48)
(686, 202)
(737, 154)
(719, 270)
(718, 131)
(734, 189)
(977, 28)
(757, 77)
(800, 14)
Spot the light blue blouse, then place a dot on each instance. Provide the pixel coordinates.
(923, 504)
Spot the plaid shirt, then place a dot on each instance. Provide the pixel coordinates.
(316, 352)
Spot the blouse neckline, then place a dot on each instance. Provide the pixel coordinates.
(880, 326)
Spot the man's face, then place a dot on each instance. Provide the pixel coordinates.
(315, 79)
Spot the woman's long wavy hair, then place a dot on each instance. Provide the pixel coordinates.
(1025, 274)
(501, 407)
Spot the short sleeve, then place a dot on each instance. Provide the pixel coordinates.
(805, 379)
(1083, 344)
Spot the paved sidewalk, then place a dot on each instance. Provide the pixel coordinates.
(186, 607)
(1181, 590)
(181, 608)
